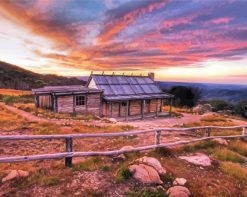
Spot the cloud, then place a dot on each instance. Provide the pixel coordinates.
(129, 35)
(119, 18)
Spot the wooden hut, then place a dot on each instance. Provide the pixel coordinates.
(117, 96)
(69, 99)
(130, 96)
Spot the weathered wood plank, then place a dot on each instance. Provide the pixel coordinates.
(63, 136)
(105, 153)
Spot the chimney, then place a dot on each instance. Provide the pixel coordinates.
(151, 75)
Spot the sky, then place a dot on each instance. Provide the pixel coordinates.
(179, 40)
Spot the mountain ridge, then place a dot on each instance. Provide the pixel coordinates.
(14, 77)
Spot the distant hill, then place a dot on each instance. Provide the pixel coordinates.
(228, 92)
(14, 77)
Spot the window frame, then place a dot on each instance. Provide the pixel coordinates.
(79, 101)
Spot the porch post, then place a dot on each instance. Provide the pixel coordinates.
(143, 108)
(54, 103)
(127, 111)
(161, 104)
(156, 110)
(86, 103)
(74, 105)
(36, 100)
(170, 110)
(110, 109)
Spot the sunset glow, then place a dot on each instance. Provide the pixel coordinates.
(197, 41)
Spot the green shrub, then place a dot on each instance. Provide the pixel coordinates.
(10, 100)
(123, 174)
(219, 105)
(241, 108)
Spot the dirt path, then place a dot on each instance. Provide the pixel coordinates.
(172, 121)
(141, 124)
(26, 115)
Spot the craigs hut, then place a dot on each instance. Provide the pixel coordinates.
(119, 96)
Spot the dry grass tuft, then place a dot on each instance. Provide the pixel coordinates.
(10, 121)
(235, 170)
(239, 147)
(12, 92)
(228, 155)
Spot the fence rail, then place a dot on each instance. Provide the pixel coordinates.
(69, 154)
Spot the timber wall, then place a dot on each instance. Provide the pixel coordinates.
(92, 104)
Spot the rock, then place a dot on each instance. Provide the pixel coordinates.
(201, 109)
(112, 120)
(121, 157)
(220, 141)
(198, 159)
(145, 174)
(126, 147)
(14, 174)
(153, 162)
(179, 181)
(178, 191)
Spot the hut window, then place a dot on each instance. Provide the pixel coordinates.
(80, 100)
(123, 104)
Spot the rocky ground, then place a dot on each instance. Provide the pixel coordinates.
(210, 168)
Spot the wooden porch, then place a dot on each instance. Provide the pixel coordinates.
(136, 109)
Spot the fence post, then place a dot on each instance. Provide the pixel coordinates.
(68, 148)
(208, 132)
(157, 137)
(244, 133)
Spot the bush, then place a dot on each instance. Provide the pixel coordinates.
(241, 108)
(123, 174)
(186, 96)
(219, 105)
(10, 100)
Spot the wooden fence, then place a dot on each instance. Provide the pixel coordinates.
(69, 154)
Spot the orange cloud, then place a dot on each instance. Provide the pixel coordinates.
(115, 26)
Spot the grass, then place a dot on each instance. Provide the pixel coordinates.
(214, 118)
(10, 121)
(206, 145)
(239, 147)
(146, 193)
(89, 164)
(12, 92)
(42, 177)
(228, 155)
(123, 174)
(235, 170)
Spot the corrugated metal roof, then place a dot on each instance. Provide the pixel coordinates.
(76, 89)
(118, 87)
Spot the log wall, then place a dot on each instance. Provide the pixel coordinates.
(45, 102)
(135, 107)
(92, 104)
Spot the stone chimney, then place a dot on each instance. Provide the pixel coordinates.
(151, 75)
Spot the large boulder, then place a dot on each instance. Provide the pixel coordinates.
(178, 191)
(145, 174)
(150, 161)
(15, 174)
(198, 159)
